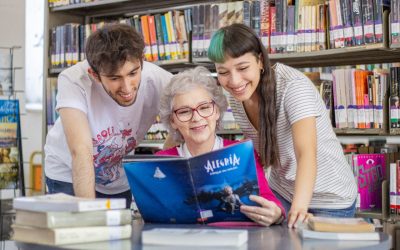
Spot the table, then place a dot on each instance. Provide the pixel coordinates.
(274, 237)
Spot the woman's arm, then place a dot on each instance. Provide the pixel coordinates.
(304, 134)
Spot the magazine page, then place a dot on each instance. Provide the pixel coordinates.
(160, 188)
(223, 180)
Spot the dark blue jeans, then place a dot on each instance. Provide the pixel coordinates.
(55, 186)
(345, 212)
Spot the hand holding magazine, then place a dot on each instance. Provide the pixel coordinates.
(202, 189)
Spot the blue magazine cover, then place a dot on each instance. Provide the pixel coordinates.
(202, 189)
(9, 137)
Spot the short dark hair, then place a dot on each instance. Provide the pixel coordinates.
(108, 48)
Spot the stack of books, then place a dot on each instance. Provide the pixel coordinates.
(339, 229)
(58, 219)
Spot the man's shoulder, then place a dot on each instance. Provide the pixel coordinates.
(77, 73)
(153, 71)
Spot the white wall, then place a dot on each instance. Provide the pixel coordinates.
(12, 32)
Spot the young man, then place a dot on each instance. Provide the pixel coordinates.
(106, 104)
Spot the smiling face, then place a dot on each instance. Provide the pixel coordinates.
(198, 131)
(123, 85)
(240, 76)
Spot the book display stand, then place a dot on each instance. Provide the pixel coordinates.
(11, 161)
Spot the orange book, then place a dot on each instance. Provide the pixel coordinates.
(146, 38)
(153, 37)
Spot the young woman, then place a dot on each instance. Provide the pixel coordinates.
(192, 106)
(281, 111)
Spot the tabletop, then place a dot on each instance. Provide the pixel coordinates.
(273, 237)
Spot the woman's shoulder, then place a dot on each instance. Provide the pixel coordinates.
(286, 72)
(170, 151)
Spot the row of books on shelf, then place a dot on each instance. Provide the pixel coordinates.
(358, 97)
(165, 36)
(370, 165)
(283, 28)
(57, 3)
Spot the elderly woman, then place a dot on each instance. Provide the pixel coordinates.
(192, 107)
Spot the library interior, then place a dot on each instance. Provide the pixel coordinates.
(204, 124)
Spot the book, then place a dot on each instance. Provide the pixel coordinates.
(310, 234)
(196, 237)
(202, 189)
(343, 225)
(61, 236)
(9, 141)
(66, 203)
(73, 219)
(371, 171)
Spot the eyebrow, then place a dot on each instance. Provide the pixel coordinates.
(237, 64)
(113, 75)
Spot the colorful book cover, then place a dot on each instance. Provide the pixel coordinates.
(9, 153)
(371, 173)
(202, 189)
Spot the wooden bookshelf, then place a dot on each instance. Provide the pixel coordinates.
(368, 54)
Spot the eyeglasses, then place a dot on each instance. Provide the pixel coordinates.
(204, 110)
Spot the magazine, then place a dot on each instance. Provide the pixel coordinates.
(202, 189)
(9, 139)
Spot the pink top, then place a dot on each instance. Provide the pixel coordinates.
(265, 190)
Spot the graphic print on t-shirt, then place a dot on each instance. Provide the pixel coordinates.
(109, 146)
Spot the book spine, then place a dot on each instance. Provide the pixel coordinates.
(392, 188)
(160, 37)
(357, 22)
(378, 29)
(368, 21)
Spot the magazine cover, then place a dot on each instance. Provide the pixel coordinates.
(206, 188)
(371, 172)
(9, 154)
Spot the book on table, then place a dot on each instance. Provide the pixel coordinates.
(343, 225)
(72, 235)
(73, 219)
(195, 237)
(333, 228)
(202, 189)
(66, 203)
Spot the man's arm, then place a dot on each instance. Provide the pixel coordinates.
(78, 135)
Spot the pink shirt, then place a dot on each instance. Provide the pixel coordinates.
(265, 190)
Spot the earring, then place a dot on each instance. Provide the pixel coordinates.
(262, 71)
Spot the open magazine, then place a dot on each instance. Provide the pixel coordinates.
(202, 189)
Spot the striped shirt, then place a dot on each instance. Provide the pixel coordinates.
(297, 98)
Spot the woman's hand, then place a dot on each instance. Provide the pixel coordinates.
(265, 215)
(297, 215)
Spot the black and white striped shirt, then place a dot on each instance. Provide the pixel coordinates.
(297, 98)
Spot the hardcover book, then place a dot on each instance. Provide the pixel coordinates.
(202, 189)
(310, 234)
(61, 236)
(66, 203)
(343, 225)
(73, 219)
(195, 237)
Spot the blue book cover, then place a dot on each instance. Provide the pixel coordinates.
(202, 189)
(9, 136)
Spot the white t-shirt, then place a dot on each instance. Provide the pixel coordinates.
(297, 98)
(116, 130)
